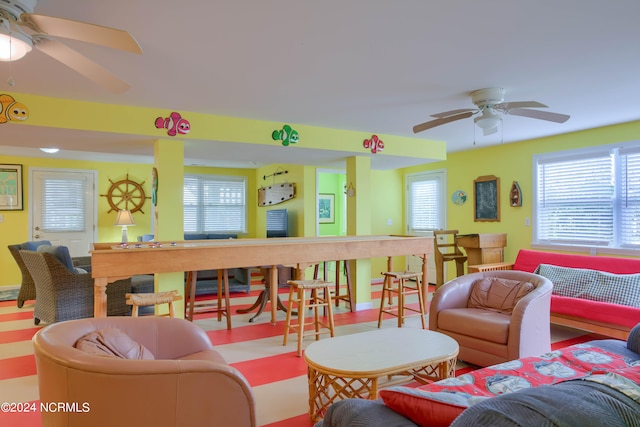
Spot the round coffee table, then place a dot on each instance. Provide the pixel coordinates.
(353, 365)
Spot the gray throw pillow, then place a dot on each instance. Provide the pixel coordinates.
(633, 342)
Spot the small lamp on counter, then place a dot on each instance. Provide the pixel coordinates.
(124, 219)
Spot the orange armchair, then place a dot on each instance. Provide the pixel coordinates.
(187, 384)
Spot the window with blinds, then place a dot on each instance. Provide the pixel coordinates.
(215, 204)
(426, 202)
(63, 205)
(588, 197)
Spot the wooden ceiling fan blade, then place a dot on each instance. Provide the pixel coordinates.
(441, 121)
(519, 104)
(82, 31)
(542, 115)
(81, 64)
(452, 112)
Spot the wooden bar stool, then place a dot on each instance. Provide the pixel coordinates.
(191, 307)
(156, 298)
(403, 289)
(298, 299)
(337, 296)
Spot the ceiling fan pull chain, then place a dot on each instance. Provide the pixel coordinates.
(10, 81)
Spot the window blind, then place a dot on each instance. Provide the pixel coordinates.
(214, 204)
(424, 202)
(630, 197)
(575, 200)
(63, 205)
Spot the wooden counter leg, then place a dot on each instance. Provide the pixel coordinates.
(100, 297)
(192, 278)
(273, 293)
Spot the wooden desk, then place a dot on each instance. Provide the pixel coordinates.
(111, 262)
(483, 248)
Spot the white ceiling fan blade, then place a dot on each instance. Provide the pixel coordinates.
(519, 104)
(82, 31)
(441, 121)
(542, 115)
(83, 65)
(452, 112)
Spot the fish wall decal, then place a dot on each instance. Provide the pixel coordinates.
(10, 109)
(174, 124)
(286, 135)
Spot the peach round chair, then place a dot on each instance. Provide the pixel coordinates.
(186, 384)
(494, 324)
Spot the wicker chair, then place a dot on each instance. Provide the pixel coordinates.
(64, 295)
(27, 288)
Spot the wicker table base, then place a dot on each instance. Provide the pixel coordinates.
(358, 365)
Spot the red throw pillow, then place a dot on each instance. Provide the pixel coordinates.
(427, 409)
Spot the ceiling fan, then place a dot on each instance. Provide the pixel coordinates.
(490, 109)
(21, 29)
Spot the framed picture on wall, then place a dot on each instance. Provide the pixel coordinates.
(326, 208)
(11, 188)
(486, 194)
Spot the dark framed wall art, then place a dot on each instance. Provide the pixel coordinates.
(486, 194)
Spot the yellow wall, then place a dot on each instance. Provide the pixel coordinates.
(127, 120)
(509, 162)
(120, 119)
(15, 228)
(512, 162)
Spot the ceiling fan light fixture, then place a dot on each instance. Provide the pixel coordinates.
(13, 45)
(487, 121)
(51, 150)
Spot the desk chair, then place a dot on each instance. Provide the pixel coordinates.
(446, 249)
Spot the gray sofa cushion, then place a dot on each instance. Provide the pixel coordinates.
(362, 413)
(572, 403)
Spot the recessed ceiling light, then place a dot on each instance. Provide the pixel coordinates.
(50, 150)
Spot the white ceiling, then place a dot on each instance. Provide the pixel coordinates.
(377, 66)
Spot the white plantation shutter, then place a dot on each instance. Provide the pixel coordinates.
(63, 205)
(214, 204)
(589, 197)
(425, 202)
(630, 197)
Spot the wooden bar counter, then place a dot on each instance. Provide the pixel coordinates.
(111, 261)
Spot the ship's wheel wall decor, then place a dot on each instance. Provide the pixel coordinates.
(126, 194)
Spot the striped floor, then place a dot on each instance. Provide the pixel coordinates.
(277, 376)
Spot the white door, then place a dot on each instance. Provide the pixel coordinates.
(63, 208)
